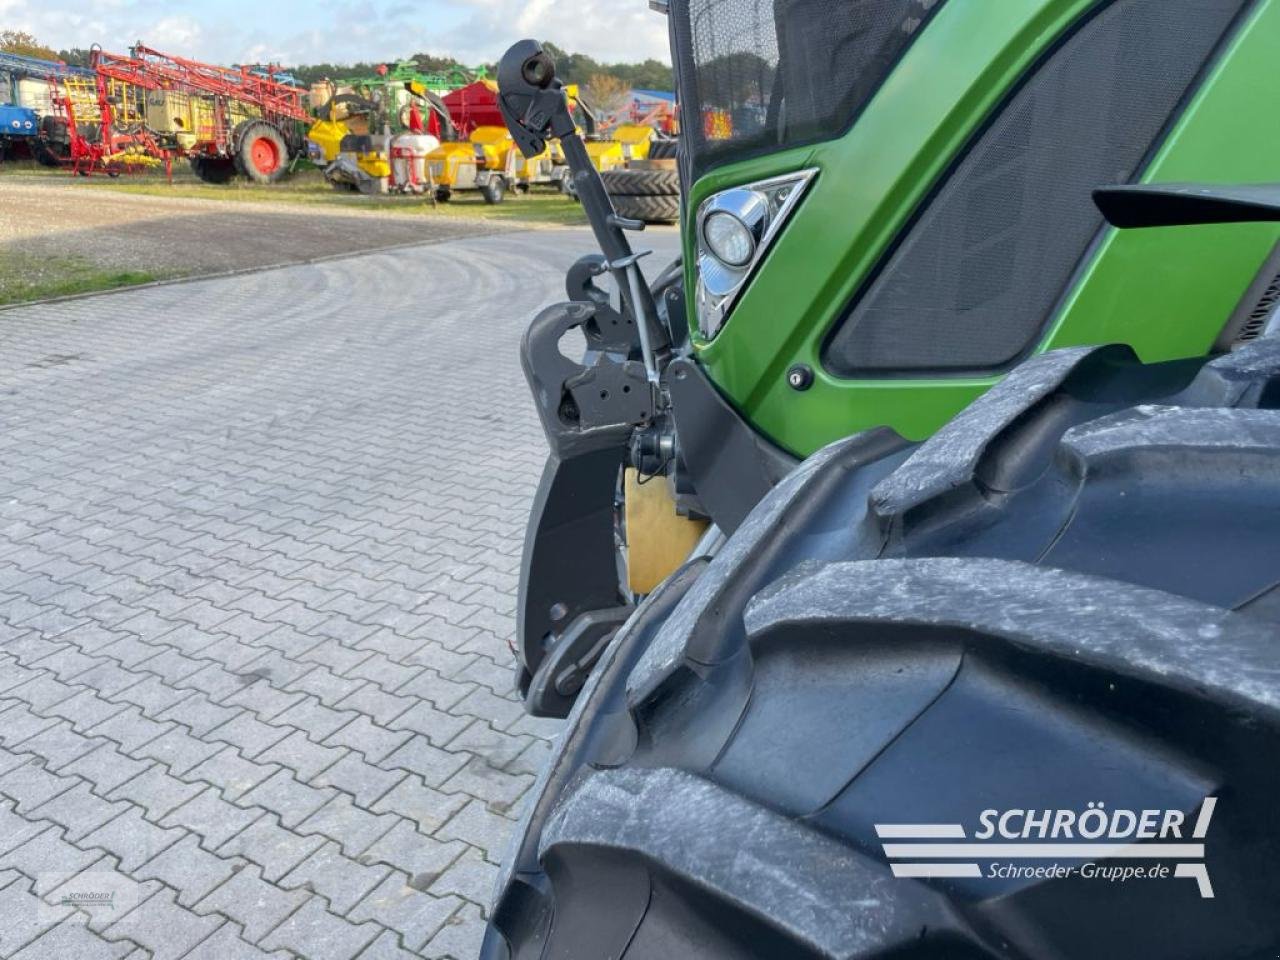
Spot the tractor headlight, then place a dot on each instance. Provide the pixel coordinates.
(729, 239)
(734, 229)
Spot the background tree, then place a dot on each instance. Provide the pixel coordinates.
(570, 67)
(76, 56)
(735, 80)
(25, 45)
(606, 92)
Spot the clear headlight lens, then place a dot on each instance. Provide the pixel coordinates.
(734, 229)
(728, 239)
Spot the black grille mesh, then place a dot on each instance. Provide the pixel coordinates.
(756, 75)
(976, 276)
(1261, 313)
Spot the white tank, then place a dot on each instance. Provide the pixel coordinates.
(34, 95)
(409, 153)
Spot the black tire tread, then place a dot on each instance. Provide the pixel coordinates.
(217, 170)
(641, 183)
(890, 614)
(663, 148)
(650, 209)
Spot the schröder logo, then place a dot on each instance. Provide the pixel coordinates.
(1070, 841)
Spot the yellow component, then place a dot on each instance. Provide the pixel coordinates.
(717, 124)
(132, 157)
(605, 154)
(374, 164)
(658, 538)
(490, 135)
(327, 135)
(451, 162)
(495, 145)
(635, 139)
(189, 118)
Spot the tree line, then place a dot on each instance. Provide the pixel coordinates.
(571, 67)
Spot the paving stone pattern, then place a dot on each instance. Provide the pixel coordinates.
(259, 538)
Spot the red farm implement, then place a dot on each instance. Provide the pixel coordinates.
(225, 120)
(96, 125)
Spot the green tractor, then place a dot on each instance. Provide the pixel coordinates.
(907, 557)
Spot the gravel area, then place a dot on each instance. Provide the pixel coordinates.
(182, 236)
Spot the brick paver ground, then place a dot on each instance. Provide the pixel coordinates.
(259, 539)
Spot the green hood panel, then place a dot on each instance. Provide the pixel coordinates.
(1165, 292)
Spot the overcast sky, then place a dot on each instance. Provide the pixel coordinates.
(340, 31)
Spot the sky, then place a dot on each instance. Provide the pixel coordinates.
(343, 31)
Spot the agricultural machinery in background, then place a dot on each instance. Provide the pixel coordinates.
(374, 134)
(96, 123)
(144, 109)
(224, 120)
(64, 115)
(484, 157)
(24, 101)
(399, 130)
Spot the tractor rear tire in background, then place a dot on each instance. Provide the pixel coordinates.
(217, 170)
(47, 153)
(1068, 598)
(53, 147)
(261, 153)
(650, 209)
(650, 193)
(661, 148)
(494, 190)
(647, 183)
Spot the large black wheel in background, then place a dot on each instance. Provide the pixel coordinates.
(53, 146)
(261, 153)
(1069, 596)
(662, 148)
(641, 182)
(650, 209)
(213, 169)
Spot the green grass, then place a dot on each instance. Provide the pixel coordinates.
(307, 187)
(25, 277)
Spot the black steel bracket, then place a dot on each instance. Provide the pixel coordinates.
(569, 584)
(731, 466)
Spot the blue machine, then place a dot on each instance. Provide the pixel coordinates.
(21, 123)
(18, 122)
(17, 65)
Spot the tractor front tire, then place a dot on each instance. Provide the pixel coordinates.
(1067, 600)
(217, 170)
(262, 154)
(443, 194)
(494, 190)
